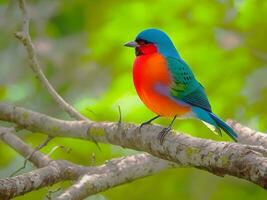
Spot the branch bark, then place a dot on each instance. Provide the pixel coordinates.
(249, 136)
(220, 158)
(50, 171)
(37, 158)
(125, 170)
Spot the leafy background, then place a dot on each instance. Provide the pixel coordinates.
(80, 47)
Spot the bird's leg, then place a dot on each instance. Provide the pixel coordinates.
(166, 130)
(148, 122)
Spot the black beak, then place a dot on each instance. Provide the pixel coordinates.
(131, 44)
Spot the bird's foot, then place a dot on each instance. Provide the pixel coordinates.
(148, 122)
(163, 133)
(143, 124)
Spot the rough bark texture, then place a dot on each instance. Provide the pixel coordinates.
(50, 171)
(125, 170)
(220, 158)
(37, 158)
(249, 136)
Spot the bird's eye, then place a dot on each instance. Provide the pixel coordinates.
(142, 42)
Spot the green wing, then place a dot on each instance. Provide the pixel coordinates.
(185, 87)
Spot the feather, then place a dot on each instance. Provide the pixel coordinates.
(185, 87)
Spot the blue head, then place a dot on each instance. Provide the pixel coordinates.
(156, 37)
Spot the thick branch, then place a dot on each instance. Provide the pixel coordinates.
(119, 171)
(123, 169)
(22, 184)
(249, 136)
(217, 157)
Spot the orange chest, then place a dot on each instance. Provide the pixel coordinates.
(150, 71)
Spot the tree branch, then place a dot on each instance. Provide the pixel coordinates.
(27, 182)
(26, 40)
(37, 158)
(248, 136)
(123, 171)
(220, 158)
(51, 171)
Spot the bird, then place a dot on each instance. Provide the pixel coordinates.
(167, 86)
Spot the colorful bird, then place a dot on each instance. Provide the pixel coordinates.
(167, 85)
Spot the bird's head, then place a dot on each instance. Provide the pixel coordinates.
(152, 41)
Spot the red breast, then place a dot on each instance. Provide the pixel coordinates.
(148, 71)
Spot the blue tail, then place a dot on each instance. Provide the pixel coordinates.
(213, 120)
(227, 129)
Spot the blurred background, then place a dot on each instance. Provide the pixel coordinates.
(80, 48)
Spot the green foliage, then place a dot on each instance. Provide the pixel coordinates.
(80, 46)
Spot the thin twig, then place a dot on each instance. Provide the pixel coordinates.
(66, 149)
(9, 137)
(25, 38)
(38, 148)
(120, 116)
(52, 191)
